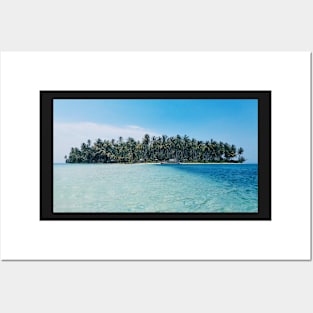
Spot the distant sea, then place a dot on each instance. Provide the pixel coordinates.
(155, 187)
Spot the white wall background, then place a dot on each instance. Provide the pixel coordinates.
(150, 286)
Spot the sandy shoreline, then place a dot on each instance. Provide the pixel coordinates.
(210, 163)
(156, 163)
(180, 163)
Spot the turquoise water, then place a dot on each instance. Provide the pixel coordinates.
(155, 188)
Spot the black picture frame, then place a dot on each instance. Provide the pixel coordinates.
(46, 153)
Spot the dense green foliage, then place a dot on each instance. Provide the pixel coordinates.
(155, 149)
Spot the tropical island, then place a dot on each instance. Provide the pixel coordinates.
(177, 149)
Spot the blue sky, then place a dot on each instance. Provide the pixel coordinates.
(233, 121)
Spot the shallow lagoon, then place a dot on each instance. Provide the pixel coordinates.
(155, 187)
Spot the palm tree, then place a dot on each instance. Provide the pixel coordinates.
(227, 151)
(146, 142)
(213, 150)
(186, 147)
(193, 148)
(165, 146)
(221, 150)
(233, 151)
(130, 147)
(240, 152)
(178, 147)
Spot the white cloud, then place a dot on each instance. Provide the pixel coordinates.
(134, 127)
(67, 135)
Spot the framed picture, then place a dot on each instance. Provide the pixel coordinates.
(203, 103)
(155, 155)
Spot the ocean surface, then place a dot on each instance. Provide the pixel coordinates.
(155, 188)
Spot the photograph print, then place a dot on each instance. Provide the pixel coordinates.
(155, 155)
